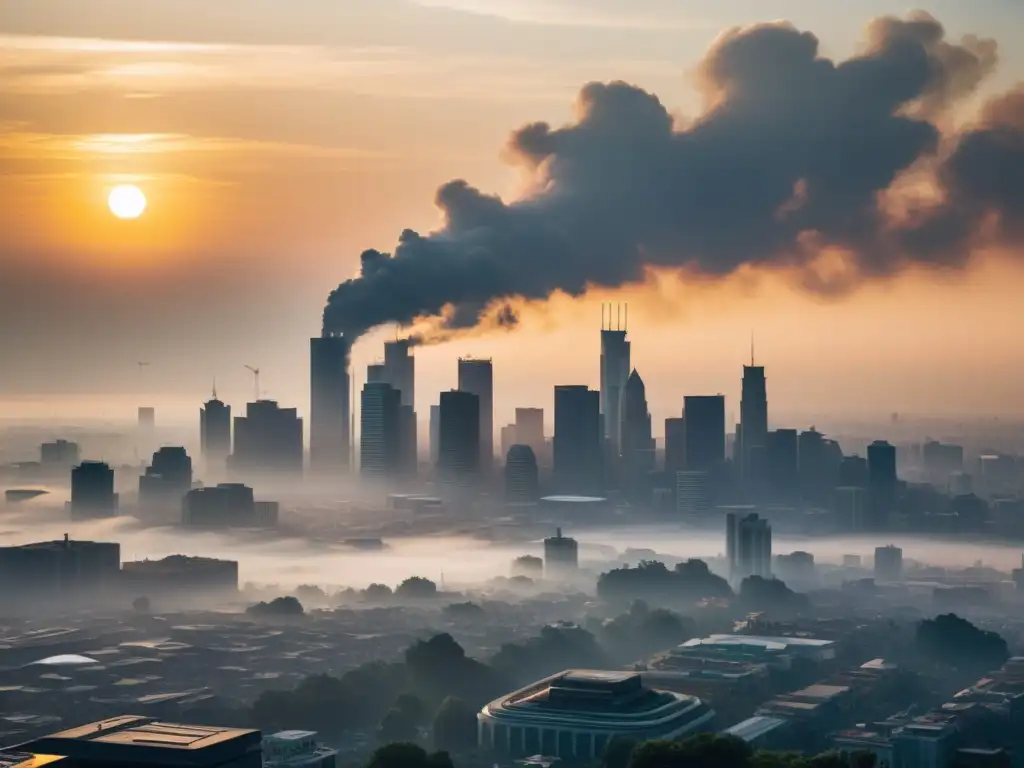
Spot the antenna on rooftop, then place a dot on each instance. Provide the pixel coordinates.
(256, 379)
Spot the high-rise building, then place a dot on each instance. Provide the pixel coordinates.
(882, 466)
(782, 460)
(615, 368)
(704, 417)
(380, 430)
(477, 376)
(754, 423)
(458, 463)
(376, 373)
(561, 555)
(693, 493)
(92, 491)
(400, 373)
(853, 472)
(215, 431)
(228, 505)
(508, 438)
(851, 508)
(530, 431)
(54, 569)
(167, 479)
(521, 475)
(637, 441)
(819, 463)
(577, 444)
(147, 419)
(435, 434)
(59, 454)
(748, 545)
(675, 444)
(942, 459)
(268, 440)
(330, 415)
(888, 564)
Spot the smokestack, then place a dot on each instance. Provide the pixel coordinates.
(796, 160)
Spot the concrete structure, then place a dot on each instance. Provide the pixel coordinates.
(268, 441)
(228, 505)
(400, 372)
(704, 427)
(477, 376)
(888, 564)
(521, 475)
(435, 434)
(92, 491)
(530, 431)
(561, 555)
(748, 546)
(753, 429)
(59, 455)
(54, 569)
(851, 508)
(782, 462)
(192, 576)
(379, 431)
(760, 731)
(637, 447)
(330, 413)
(458, 461)
(167, 479)
(675, 444)
(574, 714)
(615, 368)
(775, 651)
(141, 742)
(297, 749)
(577, 444)
(215, 431)
(693, 494)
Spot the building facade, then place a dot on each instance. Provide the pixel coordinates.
(577, 444)
(330, 413)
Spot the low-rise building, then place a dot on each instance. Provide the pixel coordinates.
(297, 749)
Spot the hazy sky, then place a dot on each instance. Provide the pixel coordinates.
(276, 140)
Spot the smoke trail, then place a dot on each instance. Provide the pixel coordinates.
(794, 156)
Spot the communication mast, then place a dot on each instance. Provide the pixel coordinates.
(256, 380)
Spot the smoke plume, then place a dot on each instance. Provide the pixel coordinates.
(794, 157)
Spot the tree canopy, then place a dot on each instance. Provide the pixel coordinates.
(417, 588)
(654, 582)
(949, 639)
(279, 606)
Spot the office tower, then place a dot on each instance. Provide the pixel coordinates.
(54, 569)
(408, 452)
(167, 479)
(400, 370)
(458, 463)
(380, 431)
(59, 455)
(693, 493)
(509, 437)
(782, 461)
(637, 440)
(330, 414)
(577, 448)
(215, 431)
(851, 508)
(853, 472)
(477, 376)
(147, 420)
(941, 459)
(796, 569)
(882, 466)
(561, 555)
(754, 423)
(268, 440)
(530, 429)
(748, 545)
(675, 444)
(704, 427)
(376, 373)
(435, 434)
(92, 491)
(615, 370)
(228, 505)
(521, 475)
(888, 564)
(819, 462)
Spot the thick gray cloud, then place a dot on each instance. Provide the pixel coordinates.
(791, 155)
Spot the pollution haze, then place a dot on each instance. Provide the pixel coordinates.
(876, 192)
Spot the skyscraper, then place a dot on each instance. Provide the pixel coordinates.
(379, 430)
(458, 463)
(753, 422)
(748, 546)
(888, 564)
(577, 449)
(92, 491)
(215, 431)
(435, 434)
(615, 370)
(268, 439)
(882, 466)
(704, 417)
(782, 461)
(330, 417)
(400, 370)
(637, 440)
(376, 373)
(167, 479)
(675, 444)
(477, 376)
(521, 480)
(530, 431)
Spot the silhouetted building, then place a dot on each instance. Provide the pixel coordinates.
(167, 479)
(675, 444)
(228, 505)
(851, 508)
(882, 466)
(521, 475)
(435, 434)
(704, 417)
(400, 373)
(376, 373)
(380, 431)
(194, 577)
(753, 423)
(853, 472)
(477, 376)
(615, 368)
(508, 438)
(820, 460)
(330, 414)
(59, 455)
(888, 564)
(268, 440)
(637, 440)
(748, 546)
(144, 742)
(530, 429)
(577, 448)
(147, 420)
(942, 459)
(458, 463)
(782, 458)
(693, 493)
(796, 569)
(215, 431)
(92, 491)
(59, 568)
(561, 555)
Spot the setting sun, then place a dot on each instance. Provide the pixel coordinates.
(127, 201)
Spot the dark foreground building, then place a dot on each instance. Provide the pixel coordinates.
(141, 742)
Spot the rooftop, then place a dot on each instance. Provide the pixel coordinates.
(574, 499)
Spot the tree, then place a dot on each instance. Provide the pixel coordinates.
(529, 566)
(311, 594)
(412, 705)
(949, 639)
(758, 593)
(141, 604)
(455, 726)
(618, 752)
(377, 593)
(652, 581)
(706, 751)
(464, 611)
(408, 756)
(279, 606)
(417, 588)
(397, 727)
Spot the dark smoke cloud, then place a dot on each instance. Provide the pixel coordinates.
(792, 156)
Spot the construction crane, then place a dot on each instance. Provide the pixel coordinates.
(256, 379)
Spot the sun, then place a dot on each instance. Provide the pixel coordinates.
(126, 201)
